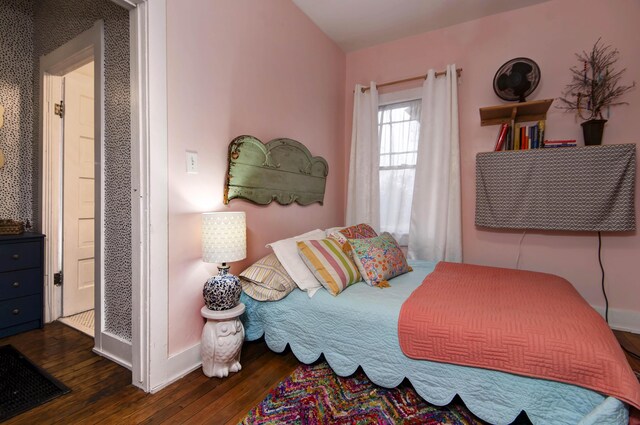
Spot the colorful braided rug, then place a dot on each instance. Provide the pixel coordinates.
(313, 394)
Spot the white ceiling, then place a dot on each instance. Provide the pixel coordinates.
(356, 24)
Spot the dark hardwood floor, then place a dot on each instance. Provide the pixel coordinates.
(630, 342)
(102, 390)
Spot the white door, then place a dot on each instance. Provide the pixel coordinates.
(78, 193)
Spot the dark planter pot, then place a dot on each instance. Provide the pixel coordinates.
(592, 131)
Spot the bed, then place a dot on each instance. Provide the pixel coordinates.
(360, 328)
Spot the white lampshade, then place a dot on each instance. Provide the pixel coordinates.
(224, 237)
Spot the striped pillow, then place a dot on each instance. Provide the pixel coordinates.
(267, 280)
(332, 267)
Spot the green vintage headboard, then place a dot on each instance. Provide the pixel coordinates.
(282, 170)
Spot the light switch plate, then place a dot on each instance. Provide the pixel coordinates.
(192, 162)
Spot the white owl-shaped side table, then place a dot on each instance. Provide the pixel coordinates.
(222, 339)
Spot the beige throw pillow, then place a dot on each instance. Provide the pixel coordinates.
(267, 280)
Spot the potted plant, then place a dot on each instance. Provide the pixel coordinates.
(594, 88)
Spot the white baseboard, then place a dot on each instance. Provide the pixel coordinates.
(115, 349)
(622, 320)
(179, 365)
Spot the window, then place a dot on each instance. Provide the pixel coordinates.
(398, 130)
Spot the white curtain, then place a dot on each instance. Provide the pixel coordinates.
(399, 125)
(436, 229)
(363, 196)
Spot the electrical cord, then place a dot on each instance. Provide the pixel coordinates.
(604, 292)
(520, 250)
(606, 300)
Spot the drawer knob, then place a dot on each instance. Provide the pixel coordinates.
(15, 284)
(16, 256)
(15, 311)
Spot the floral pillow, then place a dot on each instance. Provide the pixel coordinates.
(359, 231)
(379, 259)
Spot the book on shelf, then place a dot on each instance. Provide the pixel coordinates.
(533, 135)
(502, 135)
(518, 136)
(522, 136)
(560, 143)
(569, 143)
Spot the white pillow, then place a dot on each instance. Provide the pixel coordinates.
(333, 229)
(287, 252)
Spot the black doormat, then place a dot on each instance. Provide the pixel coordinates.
(23, 385)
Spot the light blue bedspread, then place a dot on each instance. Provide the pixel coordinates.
(359, 328)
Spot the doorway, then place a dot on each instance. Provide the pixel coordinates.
(72, 188)
(77, 221)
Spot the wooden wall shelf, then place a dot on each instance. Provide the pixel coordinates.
(534, 110)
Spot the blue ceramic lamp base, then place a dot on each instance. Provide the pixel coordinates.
(222, 292)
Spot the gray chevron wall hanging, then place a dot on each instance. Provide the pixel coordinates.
(577, 189)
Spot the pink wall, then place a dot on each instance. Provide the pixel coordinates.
(243, 67)
(549, 33)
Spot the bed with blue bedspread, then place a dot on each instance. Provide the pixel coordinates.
(359, 328)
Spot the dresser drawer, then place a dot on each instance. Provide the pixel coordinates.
(16, 256)
(20, 283)
(19, 310)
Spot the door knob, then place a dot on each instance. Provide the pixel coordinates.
(15, 311)
(15, 284)
(15, 256)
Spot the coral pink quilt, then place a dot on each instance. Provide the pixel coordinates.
(521, 322)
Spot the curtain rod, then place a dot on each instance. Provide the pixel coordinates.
(419, 77)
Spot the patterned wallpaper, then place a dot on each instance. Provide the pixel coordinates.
(16, 94)
(56, 22)
(29, 30)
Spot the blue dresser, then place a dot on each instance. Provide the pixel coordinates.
(21, 282)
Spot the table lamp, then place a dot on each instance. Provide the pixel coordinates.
(224, 239)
